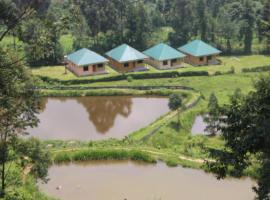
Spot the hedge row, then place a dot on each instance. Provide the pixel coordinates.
(91, 155)
(172, 74)
(256, 69)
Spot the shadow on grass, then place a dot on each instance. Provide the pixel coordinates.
(176, 126)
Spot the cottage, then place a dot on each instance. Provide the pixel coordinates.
(199, 53)
(162, 56)
(126, 59)
(85, 62)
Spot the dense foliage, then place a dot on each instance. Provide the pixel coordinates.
(245, 128)
(236, 27)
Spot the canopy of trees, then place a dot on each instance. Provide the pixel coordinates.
(234, 26)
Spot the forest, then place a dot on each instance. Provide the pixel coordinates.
(59, 27)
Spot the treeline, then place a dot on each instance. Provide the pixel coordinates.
(234, 26)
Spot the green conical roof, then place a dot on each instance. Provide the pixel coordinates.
(199, 48)
(163, 52)
(84, 57)
(125, 53)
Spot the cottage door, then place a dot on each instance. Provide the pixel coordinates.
(94, 68)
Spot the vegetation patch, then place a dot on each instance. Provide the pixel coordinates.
(103, 154)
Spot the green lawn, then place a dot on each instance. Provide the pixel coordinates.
(66, 42)
(58, 72)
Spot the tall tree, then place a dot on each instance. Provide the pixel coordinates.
(41, 36)
(246, 130)
(13, 12)
(213, 115)
(138, 26)
(182, 21)
(265, 24)
(175, 103)
(18, 105)
(202, 19)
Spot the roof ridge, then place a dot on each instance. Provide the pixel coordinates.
(163, 49)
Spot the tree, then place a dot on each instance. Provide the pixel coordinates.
(202, 19)
(246, 131)
(138, 26)
(175, 103)
(228, 28)
(212, 118)
(265, 24)
(182, 21)
(18, 106)
(12, 13)
(42, 34)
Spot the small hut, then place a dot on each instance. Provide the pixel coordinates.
(126, 59)
(85, 62)
(162, 56)
(199, 53)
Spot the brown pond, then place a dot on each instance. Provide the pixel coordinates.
(131, 181)
(96, 118)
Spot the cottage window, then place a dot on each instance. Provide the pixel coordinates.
(165, 62)
(174, 61)
(140, 61)
(126, 65)
(201, 59)
(100, 65)
(209, 57)
(85, 68)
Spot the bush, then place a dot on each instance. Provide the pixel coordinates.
(129, 79)
(88, 155)
(172, 163)
(256, 69)
(18, 194)
(217, 73)
(170, 74)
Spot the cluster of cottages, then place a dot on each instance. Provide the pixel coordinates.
(127, 59)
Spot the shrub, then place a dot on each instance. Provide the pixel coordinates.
(217, 73)
(129, 79)
(256, 69)
(172, 163)
(18, 194)
(170, 74)
(88, 155)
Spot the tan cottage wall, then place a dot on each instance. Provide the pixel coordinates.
(92, 69)
(197, 62)
(170, 65)
(121, 66)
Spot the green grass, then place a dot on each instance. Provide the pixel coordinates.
(102, 154)
(58, 72)
(66, 42)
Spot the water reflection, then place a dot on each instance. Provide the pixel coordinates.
(95, 118)
(103, 111)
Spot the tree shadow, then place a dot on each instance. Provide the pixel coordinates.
(175, 125)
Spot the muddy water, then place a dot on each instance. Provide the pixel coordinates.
(131, 181)
(199, 126)
(95, 118)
